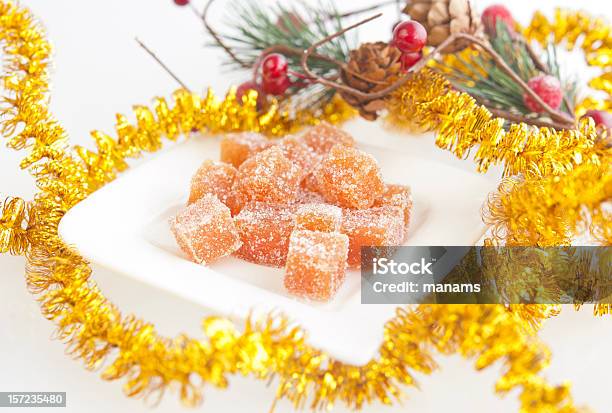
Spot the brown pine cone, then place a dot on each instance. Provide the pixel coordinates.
(371, 68)
(442, 18)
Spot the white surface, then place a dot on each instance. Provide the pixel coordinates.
(130, 219)
(100, 71)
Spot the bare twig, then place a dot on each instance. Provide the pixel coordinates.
(306, 54)
(215, 35)
(534, 56)
(162, 64)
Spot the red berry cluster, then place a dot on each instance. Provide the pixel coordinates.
(274, 79)
(275, 74)
(410, 38)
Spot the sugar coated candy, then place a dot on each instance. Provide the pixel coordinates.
(381, 226)
(212, 178)
(238, 147)
(323, 137)
(205, 230)
(268, 176)
(309, 182)
(316, 264)
(299, 153)
(235, 201)
(399, 196)
(319, 217)
(304, 196)
(350, 178)
(264, 230)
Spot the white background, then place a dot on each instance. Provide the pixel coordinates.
(98, 71)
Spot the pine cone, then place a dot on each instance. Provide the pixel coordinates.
(442, 18)
(371, 68)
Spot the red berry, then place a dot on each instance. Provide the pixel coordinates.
(409, 59)
(409, 36)
(276, 87)
(181, 2)
(247, 86)
(601, 118)
(494, 13)
(548, 89)
(274, 67)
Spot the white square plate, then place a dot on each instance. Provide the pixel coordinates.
(124, 227)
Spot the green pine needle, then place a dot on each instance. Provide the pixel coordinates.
(498, 90)
(256, 28)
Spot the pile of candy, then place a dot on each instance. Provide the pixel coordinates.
(305, 203)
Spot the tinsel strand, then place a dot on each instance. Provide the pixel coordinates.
(462, 126)
(546, 210)
(13, 236)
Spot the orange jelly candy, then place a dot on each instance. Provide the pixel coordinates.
(350, 178)
(399, 196)
(238, 147)
(264, 230)
(310, 182)
(269, 177)
(319, 217)
(374, 227)
(304, 196)
(235, 201)
(316, 264)
(299, 153)
(205, 230)
(324, 136)
(212, 178)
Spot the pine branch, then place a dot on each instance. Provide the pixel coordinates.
(258, 30)
(480, 76)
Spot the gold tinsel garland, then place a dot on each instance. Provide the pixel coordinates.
(551, 168)
(13, 237)
(126, 347)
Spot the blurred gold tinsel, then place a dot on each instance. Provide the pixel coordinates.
(126, 347)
